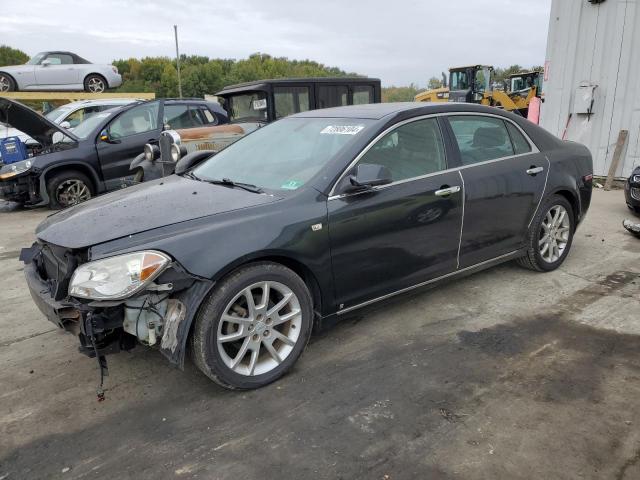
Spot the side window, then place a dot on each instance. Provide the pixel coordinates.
(520, 144)
(140, 119)
(362, 94)
(81, 115)
(409, 151)
(332, 96)
(177, 116)
(203, 116)
(60, 59)
(480, 138)
(289, 100)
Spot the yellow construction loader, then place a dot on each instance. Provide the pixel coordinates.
(473, 84)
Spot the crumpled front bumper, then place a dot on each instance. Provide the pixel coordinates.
(22, 189)
(99, 325)
(64, 315)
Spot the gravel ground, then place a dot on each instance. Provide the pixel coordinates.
(505, 374)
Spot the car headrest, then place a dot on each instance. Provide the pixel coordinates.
(489, 137)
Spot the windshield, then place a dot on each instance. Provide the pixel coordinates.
(57, 112)
(247, 106)
(36, 59)
(285, 154)
(86, 128)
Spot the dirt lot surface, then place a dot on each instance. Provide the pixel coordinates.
(506, 374)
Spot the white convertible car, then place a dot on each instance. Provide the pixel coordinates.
(59, 71)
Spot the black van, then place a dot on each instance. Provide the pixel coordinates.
(269, 100)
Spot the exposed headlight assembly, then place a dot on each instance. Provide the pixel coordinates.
(119, 277)
(14, 169)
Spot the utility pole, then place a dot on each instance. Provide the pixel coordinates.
(175, 30)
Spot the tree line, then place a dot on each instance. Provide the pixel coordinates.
(202, 75)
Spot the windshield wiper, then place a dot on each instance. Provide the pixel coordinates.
(230, 183)
(191, 175)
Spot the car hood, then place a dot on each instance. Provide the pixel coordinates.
(143, 207)
(30, 122)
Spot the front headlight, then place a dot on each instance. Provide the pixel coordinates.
(14, 169)
(175, 152)
(116, 278)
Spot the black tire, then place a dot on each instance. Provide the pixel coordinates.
(534, 260)
(95, 83)
(59, 185)
(7, 83)
(204, 337)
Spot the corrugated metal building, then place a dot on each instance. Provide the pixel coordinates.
(592, 78)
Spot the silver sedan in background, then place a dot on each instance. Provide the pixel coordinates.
(59, 71)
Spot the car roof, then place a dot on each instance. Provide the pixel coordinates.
(110, 101)
(258, 84)
(377, 111)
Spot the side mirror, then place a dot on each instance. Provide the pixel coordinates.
(45, 63)
(192, 159)
(105, 137)
(65, 124)
(367, 176)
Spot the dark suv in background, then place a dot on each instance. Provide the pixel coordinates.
(64, 168)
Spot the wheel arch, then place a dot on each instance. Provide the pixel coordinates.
(298, 267)
(106, 82)
(61, 167)
(572, 198)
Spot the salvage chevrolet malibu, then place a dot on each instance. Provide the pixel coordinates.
(237, 259)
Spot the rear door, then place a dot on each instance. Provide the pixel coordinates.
(128, 133)
(398, 235)
(504, 177)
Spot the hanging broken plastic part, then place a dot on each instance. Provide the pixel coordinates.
(102, 360)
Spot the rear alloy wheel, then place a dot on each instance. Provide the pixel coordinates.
(6, 83)
(253, 327)
(550, 235)
(69, 188)
(95, 84)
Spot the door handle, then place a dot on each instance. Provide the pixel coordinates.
(443, 192)
(535, 170)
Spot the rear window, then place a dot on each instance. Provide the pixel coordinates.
(520, 144)
(480, 138)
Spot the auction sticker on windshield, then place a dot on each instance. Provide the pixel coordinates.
(342, 129)
(291, 185)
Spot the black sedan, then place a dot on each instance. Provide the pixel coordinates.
(301, 222)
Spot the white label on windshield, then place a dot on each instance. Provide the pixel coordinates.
(342, 129)
(260, 104)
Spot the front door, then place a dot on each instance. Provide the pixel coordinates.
(402, 234)
(58, 70)
(127, 135)
(504, 178)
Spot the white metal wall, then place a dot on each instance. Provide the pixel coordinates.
(598, 45)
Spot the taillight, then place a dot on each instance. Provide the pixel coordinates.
(115, 69)
(588, 178)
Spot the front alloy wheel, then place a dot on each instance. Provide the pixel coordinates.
(253, 326)
(259, 328)
(71, 192)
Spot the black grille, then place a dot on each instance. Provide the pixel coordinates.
(55, 266)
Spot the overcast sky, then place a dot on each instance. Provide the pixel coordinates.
(399, 41)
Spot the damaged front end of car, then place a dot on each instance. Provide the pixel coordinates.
(114, 303)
